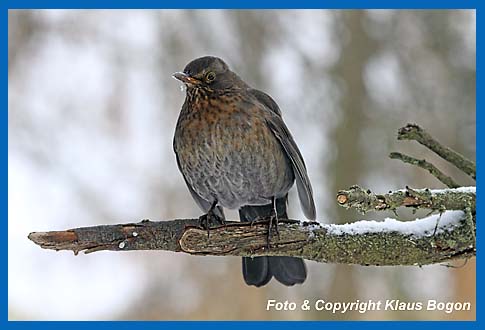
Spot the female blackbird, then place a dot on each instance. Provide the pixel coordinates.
(235, 151)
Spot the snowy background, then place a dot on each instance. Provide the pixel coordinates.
(92, 111)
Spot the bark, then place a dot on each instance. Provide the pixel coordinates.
(308, 240)
(433, 170)
(437, 200)
(416, 133)
(419, 242)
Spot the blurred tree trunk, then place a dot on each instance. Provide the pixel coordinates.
(347, 165)
(254, 39)
(23, 27)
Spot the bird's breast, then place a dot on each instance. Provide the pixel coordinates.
(217, 126)
(227, 151)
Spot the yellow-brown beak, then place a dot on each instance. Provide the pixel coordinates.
(185, 78)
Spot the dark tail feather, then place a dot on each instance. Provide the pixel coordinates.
(288, 270)
(258, 271)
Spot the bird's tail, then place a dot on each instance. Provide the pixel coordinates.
(258, 271)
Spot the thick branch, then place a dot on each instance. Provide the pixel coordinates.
(392, 242)
(414, 132)
(439, 200)
(433, 170)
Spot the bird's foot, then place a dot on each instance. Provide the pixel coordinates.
(255, 220)
(272, 225)
(210, 219)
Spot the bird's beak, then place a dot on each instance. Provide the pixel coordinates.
(185, 78)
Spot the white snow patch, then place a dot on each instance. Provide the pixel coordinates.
(419, 227)
(447, 190)
(472, 190)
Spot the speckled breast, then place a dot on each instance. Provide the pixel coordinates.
(228, 153)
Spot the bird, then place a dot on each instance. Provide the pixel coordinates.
(235, 151)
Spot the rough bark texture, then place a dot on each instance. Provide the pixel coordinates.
(309, 240)
(439, 200)
(347, 243)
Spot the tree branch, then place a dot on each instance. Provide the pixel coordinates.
(433, 170)
(416, 133)
(434, 239)
(438, 200)
(420, 242)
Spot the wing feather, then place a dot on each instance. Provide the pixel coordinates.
(305, 192)
(279, 129)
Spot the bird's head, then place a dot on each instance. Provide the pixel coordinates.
(208, 72)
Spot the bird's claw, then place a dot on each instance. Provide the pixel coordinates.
(208, 219)
(272, 222)
(257, 219)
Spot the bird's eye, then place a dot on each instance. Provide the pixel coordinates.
(210, 76)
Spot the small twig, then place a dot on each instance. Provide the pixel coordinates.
(470, 219)
(437, 224)
(448, 265)
(416, 133)
(448, 181)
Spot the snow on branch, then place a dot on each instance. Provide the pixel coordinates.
(432, 224)
(434, 239)
(431, 240)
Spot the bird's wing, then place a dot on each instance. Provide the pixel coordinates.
(202, 203)
(266, 100)
(305, 193)
(279, 129)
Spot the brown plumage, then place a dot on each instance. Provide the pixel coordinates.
(235, 151)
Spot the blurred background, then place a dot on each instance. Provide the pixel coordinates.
(92, 112)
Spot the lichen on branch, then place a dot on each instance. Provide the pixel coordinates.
(448, 235)
(425, 241)
(432, 169)
(438, 199)
(416, 133)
